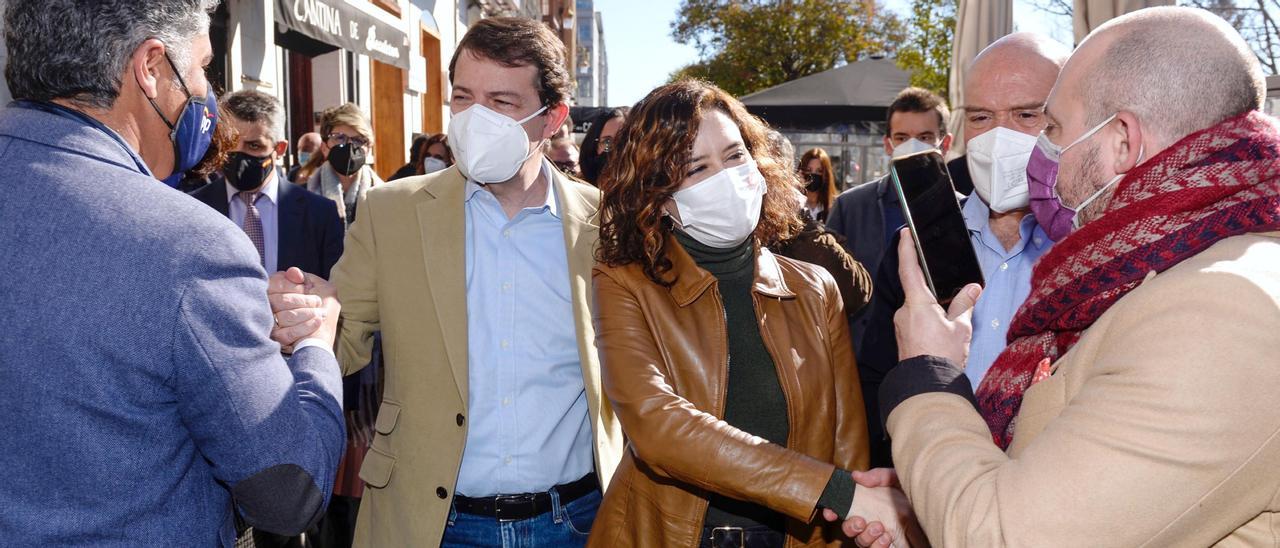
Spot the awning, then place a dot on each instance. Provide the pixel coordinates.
(855, 93)
(338, 23)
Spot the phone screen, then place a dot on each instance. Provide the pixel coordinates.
(932, 213)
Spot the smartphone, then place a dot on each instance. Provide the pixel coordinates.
(932, 212)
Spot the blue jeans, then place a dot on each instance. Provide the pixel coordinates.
(564, 526)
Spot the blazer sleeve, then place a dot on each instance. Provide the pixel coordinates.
(675, 439)
(356, 278)
(331, 235)
(272, 430)
(1170, 441)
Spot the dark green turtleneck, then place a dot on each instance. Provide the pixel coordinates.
(754, 402)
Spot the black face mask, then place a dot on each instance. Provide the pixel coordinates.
(815, 182)
(346, 161)
(592, 166)
(247, 172)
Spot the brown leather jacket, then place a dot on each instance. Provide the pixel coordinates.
(664, 364)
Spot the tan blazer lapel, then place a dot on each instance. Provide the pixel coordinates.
(442, 220)
(581, 232)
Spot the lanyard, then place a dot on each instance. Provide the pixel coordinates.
(75, 115)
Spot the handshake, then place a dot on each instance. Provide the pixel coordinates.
(881, 515)
(305, 307)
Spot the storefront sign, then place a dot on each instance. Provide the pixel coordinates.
(338, 23)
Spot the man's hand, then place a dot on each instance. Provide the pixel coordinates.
(923, 328)
(304, 306)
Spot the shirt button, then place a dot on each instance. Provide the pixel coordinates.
(1038, 241)
(507, 460)
(506, 233)
(506, 401)
(1004, 266)
(506, 343)
(442, 493)
(506, 286)
(460, 419)
(995, 324)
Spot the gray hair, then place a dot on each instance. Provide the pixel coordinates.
(1179, 70)
(256, 107)
(78, 49)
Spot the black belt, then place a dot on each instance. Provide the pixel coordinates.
(740, 537)
(527, 505)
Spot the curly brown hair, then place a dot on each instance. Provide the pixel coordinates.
(650, 161)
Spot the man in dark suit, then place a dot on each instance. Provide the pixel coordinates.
(290, 225)
(867, 216)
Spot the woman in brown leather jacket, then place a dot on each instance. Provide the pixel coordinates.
(729, 367)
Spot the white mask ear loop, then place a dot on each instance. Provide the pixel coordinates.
(1088, 134)
(535, 149)
(1075, 219)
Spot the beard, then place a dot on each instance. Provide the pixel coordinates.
(1079, 184)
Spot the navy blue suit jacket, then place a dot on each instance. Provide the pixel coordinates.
(140, 391)
(310, 231)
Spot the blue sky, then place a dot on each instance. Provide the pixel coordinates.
(642, 54)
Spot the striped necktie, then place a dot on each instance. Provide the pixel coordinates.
(253, 223)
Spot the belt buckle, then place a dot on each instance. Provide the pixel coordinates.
(742, 535)
(516, 502)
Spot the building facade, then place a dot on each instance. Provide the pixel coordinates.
(592, 65)
(390, 57)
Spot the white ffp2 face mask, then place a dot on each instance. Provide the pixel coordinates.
(723, 210)
(489, 147)
(911, 146)
(998, 165)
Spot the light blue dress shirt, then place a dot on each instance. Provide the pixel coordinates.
(1008, 276)
(527, 413)
(267, 212)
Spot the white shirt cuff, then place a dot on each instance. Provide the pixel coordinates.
(311, 341)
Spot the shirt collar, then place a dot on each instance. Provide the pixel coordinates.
(977, 215)
(549, 204)
(269, 191)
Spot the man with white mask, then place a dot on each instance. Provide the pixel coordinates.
(492, 423)
(868, 215)
(1005, 91)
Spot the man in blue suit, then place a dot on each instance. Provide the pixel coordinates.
(298, 228)
(144, 399)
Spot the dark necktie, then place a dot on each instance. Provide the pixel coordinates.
(253, 223)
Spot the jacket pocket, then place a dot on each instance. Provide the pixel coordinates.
(377, 467)
(388, 416)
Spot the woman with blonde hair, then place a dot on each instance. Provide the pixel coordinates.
(341, 172)
(729, 367)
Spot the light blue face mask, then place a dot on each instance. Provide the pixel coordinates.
(304, 157)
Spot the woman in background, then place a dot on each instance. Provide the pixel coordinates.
(598, 143)
(436, 155)
(820, 183)
(345, 176)
(729, 368)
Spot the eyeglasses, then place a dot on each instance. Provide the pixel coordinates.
(339, 139)
(606, 144)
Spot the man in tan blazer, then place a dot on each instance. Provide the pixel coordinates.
(492, 423)
(1151, 339)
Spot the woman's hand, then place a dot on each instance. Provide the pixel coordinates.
(881, 516)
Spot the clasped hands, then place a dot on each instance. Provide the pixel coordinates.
(881, 515)
(305, 306)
